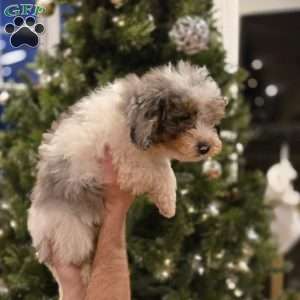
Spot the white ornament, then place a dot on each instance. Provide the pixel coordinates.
(212, 168)
(190, 34)
(280, 192)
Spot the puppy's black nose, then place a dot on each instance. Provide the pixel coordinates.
(203, 148)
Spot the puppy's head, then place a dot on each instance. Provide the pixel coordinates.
(176, 110)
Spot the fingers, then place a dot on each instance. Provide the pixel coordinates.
(110, 174)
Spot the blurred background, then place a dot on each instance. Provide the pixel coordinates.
(270, 52)
(263, 38)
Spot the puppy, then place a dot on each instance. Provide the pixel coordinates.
(168, 113)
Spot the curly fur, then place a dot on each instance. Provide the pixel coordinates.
(146, 121)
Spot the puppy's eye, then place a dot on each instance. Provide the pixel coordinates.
(217, 128)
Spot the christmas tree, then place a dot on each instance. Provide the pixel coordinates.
(217, 246)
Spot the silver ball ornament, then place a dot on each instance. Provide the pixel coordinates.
(190, 34)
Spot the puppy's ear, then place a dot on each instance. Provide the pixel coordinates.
(145, 119)
(159, 117)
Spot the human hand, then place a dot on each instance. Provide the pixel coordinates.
(115, 198)
(69, 279)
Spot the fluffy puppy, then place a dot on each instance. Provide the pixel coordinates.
(168, 113)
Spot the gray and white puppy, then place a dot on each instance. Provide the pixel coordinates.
(169, 113)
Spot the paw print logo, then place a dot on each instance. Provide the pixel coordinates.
(24, 32)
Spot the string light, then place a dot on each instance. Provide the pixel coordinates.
(184, 192)
(220, 255)
(240, 148)
(231, 284)
(201, 270)
(257, 64)
(213, 209)
(243, 266)
(259, 101)
(204, 217)
(230, 265)
(252, 235)
(271, 90)
(252, 83)
(5, 206)
(228, 135)
(13, 224)
(1, 232)
(191, 209)
(234, 89)
(167, 262)
(165, 274)
(238, 293)
(198, 257)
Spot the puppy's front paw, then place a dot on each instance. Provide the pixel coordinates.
(167, 209)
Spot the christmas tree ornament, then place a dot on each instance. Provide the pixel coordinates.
(190, 34)
(48, 5)
(212, 169)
